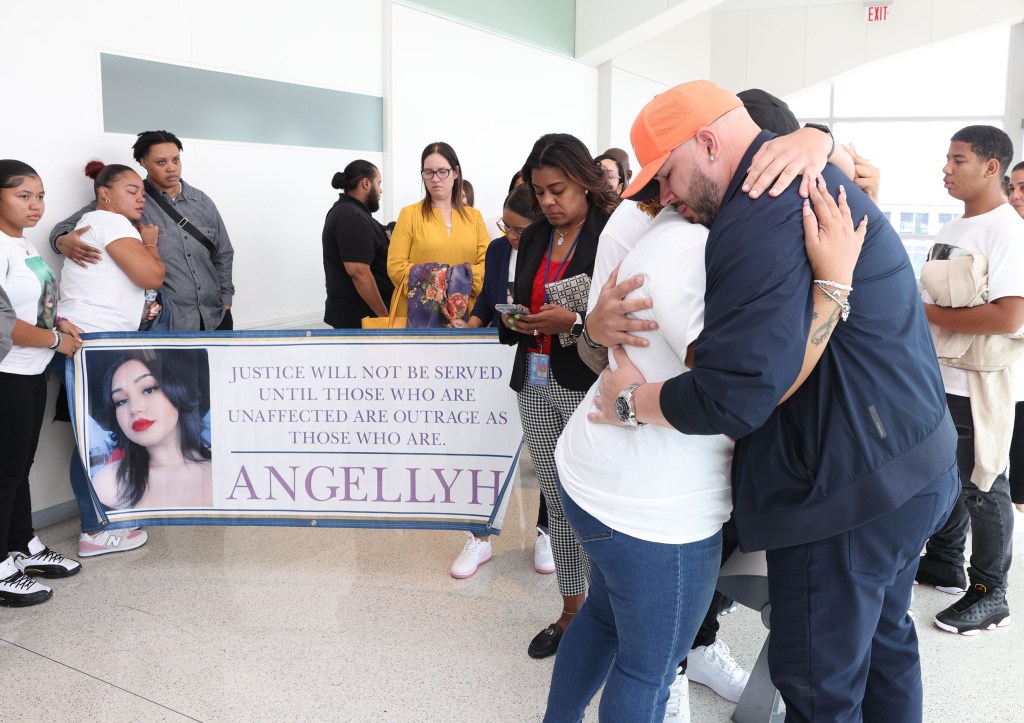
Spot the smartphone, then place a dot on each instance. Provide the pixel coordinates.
(511, 309)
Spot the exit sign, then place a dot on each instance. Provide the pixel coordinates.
(879, 13)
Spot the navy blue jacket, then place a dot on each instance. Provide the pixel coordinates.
(495, 290)
(867, 430)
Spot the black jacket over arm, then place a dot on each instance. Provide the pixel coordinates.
(566, 366)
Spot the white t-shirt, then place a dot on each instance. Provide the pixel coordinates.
(32, 288)
(999, 236)
(625, 228)
(652, 483)
(101, 297)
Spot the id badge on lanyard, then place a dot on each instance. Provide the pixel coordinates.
(538, 367)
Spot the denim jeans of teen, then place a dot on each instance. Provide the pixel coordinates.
(645, 604)
(988, 515)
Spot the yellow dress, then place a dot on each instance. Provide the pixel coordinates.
(419, 241)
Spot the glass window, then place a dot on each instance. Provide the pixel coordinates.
(938, 81)
(904, 128)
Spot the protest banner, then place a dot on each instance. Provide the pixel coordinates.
(368, 428)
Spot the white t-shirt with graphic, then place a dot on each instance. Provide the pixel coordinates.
(999, 236)
(32, 288)
(651, 483)
(101, 297)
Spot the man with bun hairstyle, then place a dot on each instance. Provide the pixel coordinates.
(843, 481)
(355, 249)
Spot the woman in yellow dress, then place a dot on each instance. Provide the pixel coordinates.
(439, 229)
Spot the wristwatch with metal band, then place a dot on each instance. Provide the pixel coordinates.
(625, 408)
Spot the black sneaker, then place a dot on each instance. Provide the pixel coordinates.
(943, 576)
(980, 609)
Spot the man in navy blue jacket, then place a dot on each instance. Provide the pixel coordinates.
(842, 482)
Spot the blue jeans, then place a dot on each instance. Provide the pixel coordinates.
(87, 502)
(646, 602)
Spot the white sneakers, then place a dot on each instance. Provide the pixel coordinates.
(18, 589)
(543, 560)
(714, 666)
(678, 708)
(473, 555)
(44, 562)
(100, 543)
(477, 552)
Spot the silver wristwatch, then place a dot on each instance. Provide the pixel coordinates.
(625, 408)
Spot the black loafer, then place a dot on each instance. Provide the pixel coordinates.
(546, 642)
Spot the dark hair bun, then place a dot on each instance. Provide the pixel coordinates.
(93, 168)
(339, 180)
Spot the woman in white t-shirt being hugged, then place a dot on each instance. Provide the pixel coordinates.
(30, 285)
(110, 296)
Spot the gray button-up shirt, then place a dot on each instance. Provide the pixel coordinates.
(197, 282)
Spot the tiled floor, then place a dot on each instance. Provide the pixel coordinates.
(284, 624)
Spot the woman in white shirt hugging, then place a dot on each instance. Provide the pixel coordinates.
(110, 296)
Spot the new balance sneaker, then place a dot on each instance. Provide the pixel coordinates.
(18, 589)
(543, 560)
(473, 555)
(100, 543)
(943, 576)
(678, 708)
(980, 609)
(714, 666)
(44, 562)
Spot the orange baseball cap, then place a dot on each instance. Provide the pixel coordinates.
(670, 120)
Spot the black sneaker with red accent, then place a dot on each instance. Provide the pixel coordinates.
(980, 609)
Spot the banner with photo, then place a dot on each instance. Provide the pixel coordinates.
(362, 428)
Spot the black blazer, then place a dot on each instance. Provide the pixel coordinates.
(566, 366)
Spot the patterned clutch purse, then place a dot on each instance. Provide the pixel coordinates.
(572, 294)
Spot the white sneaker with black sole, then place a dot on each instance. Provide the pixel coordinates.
(44, 562)
(18, 589)
(713, 666)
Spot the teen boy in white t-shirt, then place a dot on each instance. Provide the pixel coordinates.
(977, 159)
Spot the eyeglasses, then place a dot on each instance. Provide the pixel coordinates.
(612, 175)
(441, 173)
(508, 230)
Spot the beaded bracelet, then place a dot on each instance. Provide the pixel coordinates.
(833, 284)
(839, 295)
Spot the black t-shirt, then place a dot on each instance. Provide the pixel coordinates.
(352, 234)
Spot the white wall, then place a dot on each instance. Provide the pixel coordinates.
(488, 96)
(273, 198)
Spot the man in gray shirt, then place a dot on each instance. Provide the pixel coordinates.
(198, 281)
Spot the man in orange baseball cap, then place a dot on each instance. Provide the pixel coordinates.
(840, 479)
